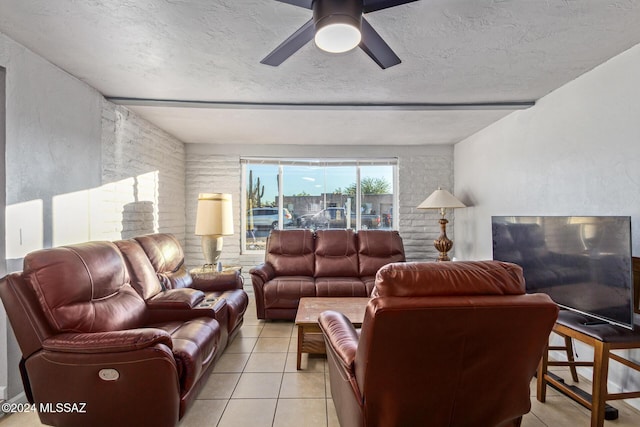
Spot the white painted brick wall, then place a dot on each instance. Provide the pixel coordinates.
(212, 174)
(419, 176)
(143, 177)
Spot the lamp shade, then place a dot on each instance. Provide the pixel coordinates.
(214, 215)
(440, 199)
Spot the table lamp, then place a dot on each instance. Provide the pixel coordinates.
(214, 219)
(442, 199)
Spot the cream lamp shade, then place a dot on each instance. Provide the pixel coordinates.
(214, 219)
(214, 216)
(442, 199)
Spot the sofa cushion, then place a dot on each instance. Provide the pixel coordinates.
(377, 248)
(286, 291)
(164, 251)
(176, 279)
(84, 288)
(142, 274)
(336, 254)
(290, 252)
(369, 283)
(237, 301)
(419, 279)
(195, 343)
(340, 287)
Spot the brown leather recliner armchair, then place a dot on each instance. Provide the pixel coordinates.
(442, 344)
(86, 340)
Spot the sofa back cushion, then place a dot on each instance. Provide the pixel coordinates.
(167, 258)
(422, 279)
(142, 275)
(84, 288)
(377, 248)
(290, 252)
(336, 253)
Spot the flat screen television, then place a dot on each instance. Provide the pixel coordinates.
(582, 262)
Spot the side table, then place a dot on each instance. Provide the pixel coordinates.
(603, 338)
(212, 280)
(210, 273)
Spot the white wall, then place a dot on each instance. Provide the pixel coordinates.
(78, 168)
(3, 318)
(143, 177)
(52, 148)
(577, 152)
(216, 168)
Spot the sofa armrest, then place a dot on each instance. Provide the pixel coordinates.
(112, 384)
(176, 299)
(260, 275)
(107, 342)
(340, 336)
(216, 309)
(264, 272)
(218, 281)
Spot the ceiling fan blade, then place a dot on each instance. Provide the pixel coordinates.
(376, 47)
(291, 45)
(373, 5)
(302, 3)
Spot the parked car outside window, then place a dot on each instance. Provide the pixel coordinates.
(267, 218)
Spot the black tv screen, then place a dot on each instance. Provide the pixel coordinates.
(582, 262)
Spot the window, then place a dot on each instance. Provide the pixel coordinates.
(316, 194)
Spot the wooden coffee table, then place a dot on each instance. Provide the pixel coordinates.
(310, 338)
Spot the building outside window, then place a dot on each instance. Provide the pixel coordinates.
(316, 194)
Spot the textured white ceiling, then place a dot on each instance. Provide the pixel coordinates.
(453, 52)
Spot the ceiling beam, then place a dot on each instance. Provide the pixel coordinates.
(365, 106)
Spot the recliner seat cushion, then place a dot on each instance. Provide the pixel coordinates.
(286, 291)
(195, 344)
(340, 287)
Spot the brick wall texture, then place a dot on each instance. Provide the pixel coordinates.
(419, 175)
(143, 177)
(151, 184)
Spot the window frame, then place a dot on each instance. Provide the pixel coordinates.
(329, 162)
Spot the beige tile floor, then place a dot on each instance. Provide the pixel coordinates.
(255, 384)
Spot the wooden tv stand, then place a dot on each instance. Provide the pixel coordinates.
(603, 338)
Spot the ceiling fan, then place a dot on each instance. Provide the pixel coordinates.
(338, 26)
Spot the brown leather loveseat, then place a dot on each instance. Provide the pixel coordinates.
(158, 273)
(100, 334)
(327, 263)
(442, 344)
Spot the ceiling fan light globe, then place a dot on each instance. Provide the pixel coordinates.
(338, 37)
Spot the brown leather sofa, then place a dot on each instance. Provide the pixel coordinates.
(441, 344)
(96, 327)
(166, 257)
(327, 263)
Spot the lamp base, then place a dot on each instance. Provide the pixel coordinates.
(211, 248)
(442, 243)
